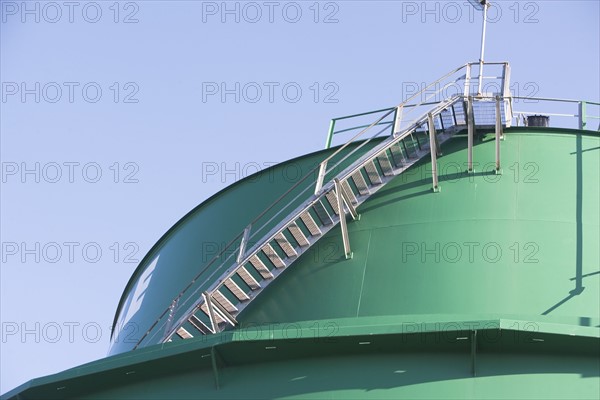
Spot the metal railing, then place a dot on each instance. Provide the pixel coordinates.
(393, 121)
(456, 82)
(581, 118)
(438, 91)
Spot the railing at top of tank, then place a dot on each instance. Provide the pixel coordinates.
(456, 82)
(311, 183)
(555, 108)
(438, 91)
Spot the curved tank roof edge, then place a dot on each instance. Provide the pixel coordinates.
(211, 198)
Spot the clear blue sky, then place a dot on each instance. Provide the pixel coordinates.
(128, 91)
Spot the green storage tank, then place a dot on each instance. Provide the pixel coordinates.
(442, 252)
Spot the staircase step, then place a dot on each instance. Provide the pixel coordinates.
(285, 245)
(218, 319)
(273, 256)
(224, 301)
(198, 324)
(183, 333)
(236, 290)
(397, 155)
(333, 202)
(298, 235)
(385, 164)
(372, 173)
(248, 279)
(361, 184)
(349, 193)
(260, 267)
(310, 223)
(322, 213)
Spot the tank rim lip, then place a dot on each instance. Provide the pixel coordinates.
(179, 222)
(385, 325)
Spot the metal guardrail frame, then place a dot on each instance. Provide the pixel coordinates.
(582, 114)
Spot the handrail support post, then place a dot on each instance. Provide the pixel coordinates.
(398, 119)
(320, 177)
(343, 224)
(470, 133)
(244, 243)
(433, 151)
(467, 90)
(582, 115)
(499, 134)
(211, 312)
(330, 134)
(347, 200)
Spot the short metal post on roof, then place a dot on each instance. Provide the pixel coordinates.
(582, 115)
(343, 225)
(499, 134)
(506, 95)
(470, 133)
(433, 151)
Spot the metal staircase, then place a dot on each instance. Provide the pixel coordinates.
(216, 306)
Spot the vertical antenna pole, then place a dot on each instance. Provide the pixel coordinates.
(485, 7)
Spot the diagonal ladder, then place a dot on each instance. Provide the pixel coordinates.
(257, 267)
